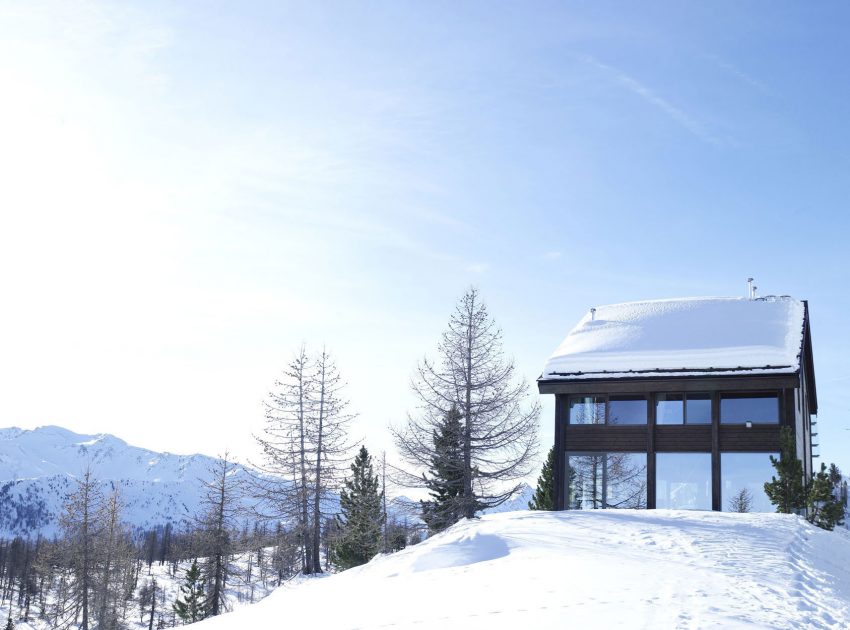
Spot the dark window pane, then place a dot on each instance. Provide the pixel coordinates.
(626, 410)
(669, 409)
(745, 473)
(606, 480)
(683, 481)
(755, 408)
(699, 409)
(587, 410)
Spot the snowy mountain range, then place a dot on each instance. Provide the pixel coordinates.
(38, 469)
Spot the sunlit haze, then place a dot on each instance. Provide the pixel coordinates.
(190, 191)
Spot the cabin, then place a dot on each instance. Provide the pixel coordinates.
(679, 403)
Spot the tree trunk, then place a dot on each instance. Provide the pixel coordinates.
(468, 501)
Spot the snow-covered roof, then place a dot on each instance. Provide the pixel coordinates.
(683, 336)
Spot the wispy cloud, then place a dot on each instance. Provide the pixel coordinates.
(678, 115)
(553, 255)
(738, 73)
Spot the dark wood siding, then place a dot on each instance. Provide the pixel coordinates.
(694, 437)
(741, 439)
(595, 437)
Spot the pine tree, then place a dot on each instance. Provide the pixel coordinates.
(445, 483)
(824, 510)
(544, 495)
(191, 603)
(787, 492)
(362, 516)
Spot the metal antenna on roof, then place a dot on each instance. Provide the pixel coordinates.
(750, 288)
(592, 314)
(754, 292)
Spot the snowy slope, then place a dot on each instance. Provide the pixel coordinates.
(603, 569)
(38, 468)
(686, 334)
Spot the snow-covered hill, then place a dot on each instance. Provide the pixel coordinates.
(38, 468)
(603, 569)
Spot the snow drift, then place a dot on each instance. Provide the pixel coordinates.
(602, 569)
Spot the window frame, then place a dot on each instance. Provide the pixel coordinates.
(685, 396)
(603, 481)
(607, 402)
(776, 394)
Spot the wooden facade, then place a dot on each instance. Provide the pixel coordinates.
(797, 402)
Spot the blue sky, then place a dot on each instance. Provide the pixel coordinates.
(191, 190)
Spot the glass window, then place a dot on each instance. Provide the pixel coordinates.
(683, 481)
(598, 481)
(627, 410)
(698, 409)
(669, 409)
(742, 479)
(681, 408)
(755, 408)
(587, 410)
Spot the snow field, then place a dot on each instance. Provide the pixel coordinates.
(603, 569)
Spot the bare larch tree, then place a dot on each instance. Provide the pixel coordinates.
(305, 447)
(499, 422)
(80, 528)
(217, 523)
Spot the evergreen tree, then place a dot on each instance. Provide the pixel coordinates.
(834, 476)
(544, 495)
(824, 510)
(445, 484)
(362, 515)
(787, 492)
(191, 603)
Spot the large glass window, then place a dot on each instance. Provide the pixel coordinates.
(587, 410)
(683, 409)
(755, 408)
(698, 409)
(742, 479)
(606, 480)
(627, 410)
(669, 409)
(683, 481)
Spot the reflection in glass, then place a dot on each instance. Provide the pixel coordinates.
(683, 481)
(698, 409)
(587, 410)
(755, 408)
(683, 409)
(606, 480)
(745, 471)
(669, 409)
(627, 410)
